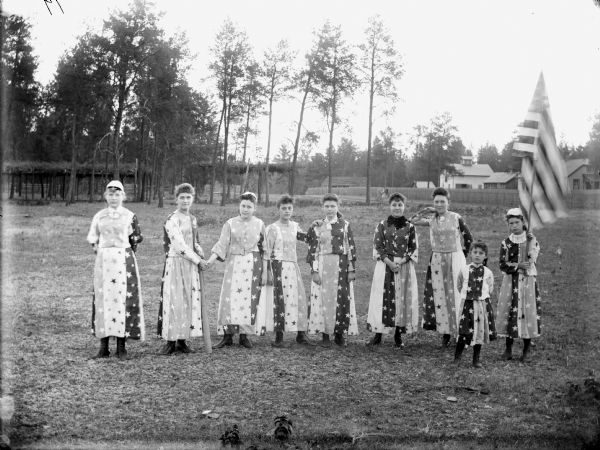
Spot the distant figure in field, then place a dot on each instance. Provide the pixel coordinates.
(283, 303)
(441, 297)
(382, 196)
(394, 298)
(180, 310)
(117, 303)
(519, 306)
(332, 258)
(476, 284)
(241, 246)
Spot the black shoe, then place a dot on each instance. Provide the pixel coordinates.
(244, 341)
(325, 342)
(183, 347)
(339, 339)
(226, 341)
(507, 355)
(283, 428)
(278, 340)
(103, 352)
(526, 348)
(476, 353)
(168, 348)
(460, 346)
(398, 338)
(445, 341)
(121, 352)
(375, 340)
(303, 340)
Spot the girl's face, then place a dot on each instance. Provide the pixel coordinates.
(285, 211)
(397, 208)
(331, 208)
(478, 255)
(440, 203)
(246, 209)
(515, 225)
(114, 198)
(184, 202)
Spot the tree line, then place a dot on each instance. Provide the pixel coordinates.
(121, 94)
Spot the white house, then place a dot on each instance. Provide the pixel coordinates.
(467, 176)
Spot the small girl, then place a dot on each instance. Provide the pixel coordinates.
(180, 311)
(475, 283)
(117, 303)
(241, 246)
(518, 313)
(394, 298)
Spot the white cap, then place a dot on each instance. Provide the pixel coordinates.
(116, 184)
(514, 212)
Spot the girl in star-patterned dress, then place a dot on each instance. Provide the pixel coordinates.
(441, 302)
(241, 247)
(476, 325)
(180, 309)
(117, 303)
(283, 305)
(394, 298)
(332, 258)
(518, 311)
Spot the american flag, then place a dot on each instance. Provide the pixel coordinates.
(543, 182)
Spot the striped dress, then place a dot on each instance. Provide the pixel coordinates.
(332, 253)
(394, 298)
(117, 308)
(241, 247)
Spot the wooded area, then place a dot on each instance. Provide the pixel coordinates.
(121, 97)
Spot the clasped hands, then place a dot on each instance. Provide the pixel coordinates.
(395, 266)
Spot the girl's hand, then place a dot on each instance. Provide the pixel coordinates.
(317, 223)
(199, 250)
(523, 265)
(94, 248)
(269, 278)
(203, 264)
(316, 278)
(351, 275)
(529, 235)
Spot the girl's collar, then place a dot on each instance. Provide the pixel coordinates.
(518, 238)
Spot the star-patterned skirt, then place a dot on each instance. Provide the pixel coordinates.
(240, 293)
(441, 302)
(117, 308)
(394, 299)
(476, 324)
(180, 310)
(332, 308)
(283, 306)
(519, 309)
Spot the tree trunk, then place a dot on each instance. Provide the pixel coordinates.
(92, 180)
(225, 145)
(213, 178)
(245, 182)
(73, 178)
(12, 186)
(246, 131)
(298, 133)
(268, 149)
(371, 95)
(161, 174)
(152, 183)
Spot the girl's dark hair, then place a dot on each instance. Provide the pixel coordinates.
(397, 197)
(250, 196)
(285, 199)
(482, 246)
(520, 217)
(441, 191)
(331, 197)
(185, 188)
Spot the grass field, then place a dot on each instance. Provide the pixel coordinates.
(353, 397)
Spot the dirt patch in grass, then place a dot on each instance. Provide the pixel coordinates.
(353, 397)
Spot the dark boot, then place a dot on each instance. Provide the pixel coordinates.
(507, 355)
(226, 341)
(183, 347)
(302, 339)
(168, 348)
(445, 341)
(339, 339)
(278, 339)
(244, 341)
(476, 354)
(375, 340)
(326, 342)
(526, 348)
(103, 352)
(121, 352)
(460, 346)
(398, 338)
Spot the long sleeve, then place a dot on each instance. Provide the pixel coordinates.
(379, 246)
(505, 265)
(94, 234)
(351, 247)
(534, 250)
(270, 240)
(135, 237)
(221, 248)
(261, 241)
(489, 280)
(412, 248)
(177, 244)
(313, 246)
(301, 235)
(466, 234)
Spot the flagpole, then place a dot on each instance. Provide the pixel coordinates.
(530, 208)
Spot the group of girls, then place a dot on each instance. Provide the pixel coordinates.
(262, 289)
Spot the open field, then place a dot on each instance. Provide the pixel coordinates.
(339, 398)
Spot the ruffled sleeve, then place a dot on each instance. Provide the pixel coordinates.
(93, 236)
(412, 247)
(466, 235)
(135, 237)
(313, 247)
(379, 247)
(178, 245)
(221, 248)
(505, 265)
(351, 247)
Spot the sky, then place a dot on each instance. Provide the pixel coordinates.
(479, 60)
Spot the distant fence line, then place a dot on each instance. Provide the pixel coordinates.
(584, 199)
